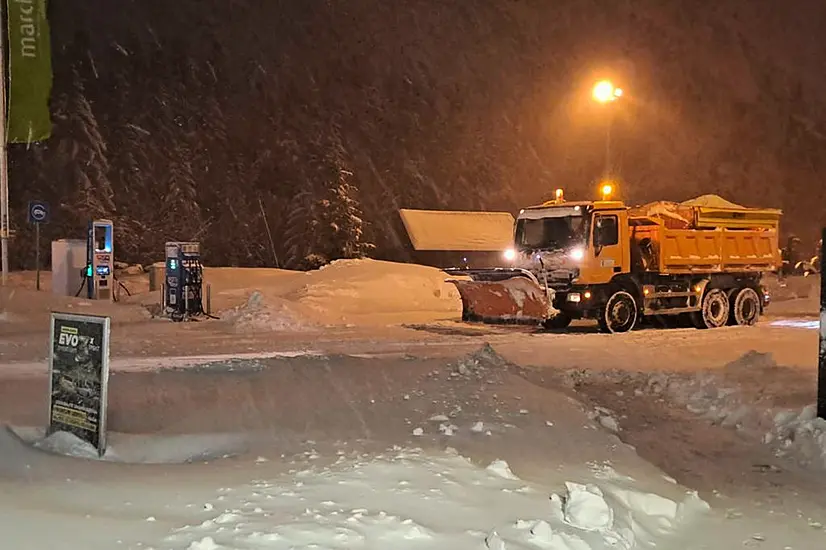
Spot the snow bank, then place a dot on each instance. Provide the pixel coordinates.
(796, 433)
(19, 304)
(345, 292)
(367, 292)
(372, 291)
(138, 449)
(408, 499)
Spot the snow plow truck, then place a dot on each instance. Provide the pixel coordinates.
(699, 263)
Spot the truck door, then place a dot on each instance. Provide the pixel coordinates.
(608, 238)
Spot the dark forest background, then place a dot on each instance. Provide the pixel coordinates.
(201, 119)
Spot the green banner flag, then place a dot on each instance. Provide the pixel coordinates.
(30, 72)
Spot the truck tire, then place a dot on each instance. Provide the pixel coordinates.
(746, 307)
(714, 311)
(557, 322)
(620, 313)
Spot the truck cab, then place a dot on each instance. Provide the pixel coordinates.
(572, 244)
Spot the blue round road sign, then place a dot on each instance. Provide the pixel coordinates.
(38, 212)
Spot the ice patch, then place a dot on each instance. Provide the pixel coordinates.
(796, 323)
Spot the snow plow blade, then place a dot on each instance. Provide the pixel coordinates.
(501, 296)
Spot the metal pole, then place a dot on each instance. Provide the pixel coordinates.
(269, 234)
(608, 149)
(37, 252)
(821, 364)
(4, 167)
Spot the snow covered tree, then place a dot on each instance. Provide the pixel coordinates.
(300, 236)
(340, 220)
(83, 152)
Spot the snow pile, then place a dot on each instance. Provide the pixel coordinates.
(605, 418)
(711, 201)
(800, 432)
(372, 291)
(68, 444)
(264, 315)
(408, 499)
(477, 364)
(672, 214)
(790, 432)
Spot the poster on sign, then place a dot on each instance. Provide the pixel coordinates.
(79, 377)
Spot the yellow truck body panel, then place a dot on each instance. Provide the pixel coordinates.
(685, 251)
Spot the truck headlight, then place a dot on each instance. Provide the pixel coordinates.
(509, 254)
(575, 297)
(576, 254)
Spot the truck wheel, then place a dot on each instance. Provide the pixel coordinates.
(714, 311)
(619, 314)
(746, 308)
(557, 322)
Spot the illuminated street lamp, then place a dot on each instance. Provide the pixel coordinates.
(605, 92)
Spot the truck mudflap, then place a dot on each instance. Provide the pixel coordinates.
(501, 296)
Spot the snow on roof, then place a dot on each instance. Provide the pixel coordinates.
(458, 230)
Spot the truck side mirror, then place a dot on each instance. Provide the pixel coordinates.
(599, 236)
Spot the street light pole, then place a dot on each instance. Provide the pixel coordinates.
(608, 146)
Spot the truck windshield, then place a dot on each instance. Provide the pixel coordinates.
(552, 233)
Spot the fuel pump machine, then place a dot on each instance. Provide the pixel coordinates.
(183, 280)
(100, 254)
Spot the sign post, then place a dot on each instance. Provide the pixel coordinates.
(821, 363)
(38, 213)
(79, 377)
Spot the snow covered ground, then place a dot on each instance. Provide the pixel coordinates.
(347, 408)
(403, 498)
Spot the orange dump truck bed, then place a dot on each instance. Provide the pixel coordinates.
(713, 240)
(680, 251)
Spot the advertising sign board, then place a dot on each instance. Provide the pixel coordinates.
(79, 377)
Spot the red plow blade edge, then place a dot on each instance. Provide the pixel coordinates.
(517, 300)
